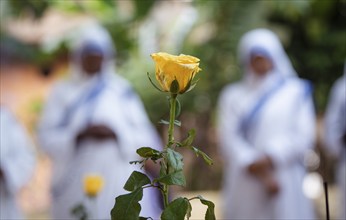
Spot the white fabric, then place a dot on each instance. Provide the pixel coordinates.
(116, 106)
(282, 128)
(17, 162)
(334, 129)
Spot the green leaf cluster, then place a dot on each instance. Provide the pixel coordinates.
(127, 206)
(171, 173)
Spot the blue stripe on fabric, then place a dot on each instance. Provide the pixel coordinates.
(247, 121)
(308, 88)
(94, 92)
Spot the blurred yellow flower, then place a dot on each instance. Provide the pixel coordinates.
(182, 68)
(93, 184)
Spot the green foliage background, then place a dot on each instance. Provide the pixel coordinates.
(313, 33)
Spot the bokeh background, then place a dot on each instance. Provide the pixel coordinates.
(34, 49)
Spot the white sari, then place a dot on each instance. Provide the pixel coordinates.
(17, 162)
(271, 116)
(102, 99)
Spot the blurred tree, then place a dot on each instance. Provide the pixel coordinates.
(317, 40)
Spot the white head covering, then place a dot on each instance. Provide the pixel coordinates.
(81, 88)
(266, 43)
(92, 34)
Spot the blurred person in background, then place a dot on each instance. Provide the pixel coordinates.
(92, 123)
(335, 134)
(17, 163)
(266, 125)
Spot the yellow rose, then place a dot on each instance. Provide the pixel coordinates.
(93, 185)
(182, 68)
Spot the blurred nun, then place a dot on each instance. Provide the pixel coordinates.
(266, 124)
(17, 163)
(335, 134)
(93, 122)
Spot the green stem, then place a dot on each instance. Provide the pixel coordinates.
(171, 120)
(165, 195)
(165, 190)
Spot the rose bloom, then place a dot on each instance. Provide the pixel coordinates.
(182, 68)
(93, 185)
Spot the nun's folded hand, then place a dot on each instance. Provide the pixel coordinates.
(260, 166)
(263, 170)
(98, 132)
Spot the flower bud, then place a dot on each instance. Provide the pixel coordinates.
(179, 70)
